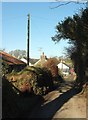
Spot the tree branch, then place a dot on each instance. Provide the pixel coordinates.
(61, 5)
(77, 2)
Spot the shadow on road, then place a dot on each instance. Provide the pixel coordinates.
(49, 109)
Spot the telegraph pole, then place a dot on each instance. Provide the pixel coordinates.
(28, 36)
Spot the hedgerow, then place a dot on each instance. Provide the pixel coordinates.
(32, 79)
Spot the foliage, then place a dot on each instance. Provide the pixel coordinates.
(76, 31)
(52, 66)
(36, 80)
(16, 105)
(68, 61)
(18, 53)
(4, 67)
(2, 49)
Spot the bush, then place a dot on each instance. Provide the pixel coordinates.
(17, 105)
(4, 67)
(51, 65)
(31, 79)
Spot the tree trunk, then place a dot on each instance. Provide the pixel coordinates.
(80, 66)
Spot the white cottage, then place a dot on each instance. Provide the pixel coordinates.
(41, 61)
(24, 60)
(64, 68)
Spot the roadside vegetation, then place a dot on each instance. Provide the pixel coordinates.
(36, 80)
(75, 29)
(22, 90)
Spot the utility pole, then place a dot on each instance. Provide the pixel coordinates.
(28, 36)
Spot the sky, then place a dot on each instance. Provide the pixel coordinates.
(43, 21)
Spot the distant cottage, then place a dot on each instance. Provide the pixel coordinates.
(41, 61)
(32, 61)
(64, 68)
(25, 60)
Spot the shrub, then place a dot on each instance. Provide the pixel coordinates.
(4, 67)
(36, 80)
(51, 65)
(17, 105)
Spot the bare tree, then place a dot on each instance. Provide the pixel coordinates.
(62, 3)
